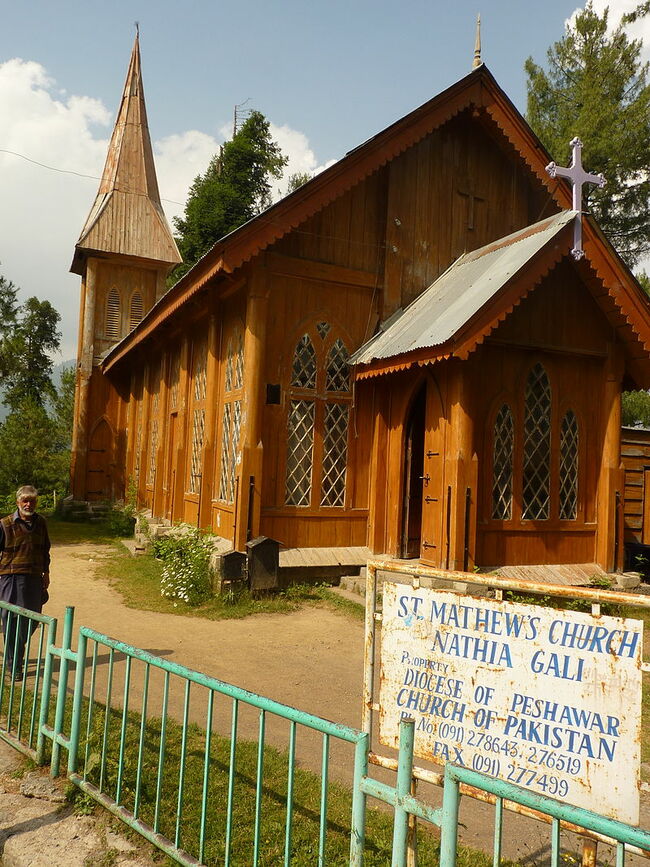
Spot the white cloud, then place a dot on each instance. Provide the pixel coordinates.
(295, 146)
(179, 159)
(42, 210)
(617, 8)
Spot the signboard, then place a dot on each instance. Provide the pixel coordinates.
(546, 699)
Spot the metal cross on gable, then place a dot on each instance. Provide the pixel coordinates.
(578, 177)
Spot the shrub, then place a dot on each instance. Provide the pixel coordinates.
(120, 521)
(185, 553)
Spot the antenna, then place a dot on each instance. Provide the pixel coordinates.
(241, 115)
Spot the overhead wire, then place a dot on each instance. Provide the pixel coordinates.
(70, 172)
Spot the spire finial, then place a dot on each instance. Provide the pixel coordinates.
(477, 45)
(137, 29)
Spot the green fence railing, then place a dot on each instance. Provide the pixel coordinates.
(23, 710)
(128, 752)
(194, 764)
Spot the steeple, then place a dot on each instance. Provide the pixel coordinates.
(477, 44)
(127, 217)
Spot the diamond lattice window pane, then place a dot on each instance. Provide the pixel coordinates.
(335, 455)
(236, 428)
(504, 439)
(200, 373)
(304, 364)
(323, 329)
(229, 368)
(239, 363)
(569, 443)
(153, 452)
(226, 424)
(537, 447)
(338, 372)
(198, 431)
(174, 379)
(300, 448)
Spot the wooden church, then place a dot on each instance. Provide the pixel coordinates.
(403, 353)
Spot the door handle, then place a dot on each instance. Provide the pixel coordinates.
(426, 479)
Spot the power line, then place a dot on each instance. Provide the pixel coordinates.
(67, 171)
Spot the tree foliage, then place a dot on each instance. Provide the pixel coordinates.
(235, 187)
(35, 437)
(596, 87)
(27, 345)
(635, 408)
(297, 179)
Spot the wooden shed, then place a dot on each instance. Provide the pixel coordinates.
(401, 354)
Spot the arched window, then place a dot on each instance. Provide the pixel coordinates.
(536, 489)
(231, 416)
(502, 464)
(199, 375)
(136, 310)
(317, 420)
(569, 447)
(112, 319)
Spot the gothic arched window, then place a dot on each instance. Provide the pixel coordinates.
(536, 488)
(569, 447)
(113, 316)
(502, 464)
(231, 416)
(136, 310)
(317, 420)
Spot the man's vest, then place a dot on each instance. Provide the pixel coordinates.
(24, 551)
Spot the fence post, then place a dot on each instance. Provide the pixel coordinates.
(403, 788)
(75, 723)
(358, 829)
(46, 692)
(449, 825)
(61, 692)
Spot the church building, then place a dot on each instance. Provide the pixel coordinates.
(404, 353)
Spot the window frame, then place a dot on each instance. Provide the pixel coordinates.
(560, 405)
(322, 398)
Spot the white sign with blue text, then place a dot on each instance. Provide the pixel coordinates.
(546, 699)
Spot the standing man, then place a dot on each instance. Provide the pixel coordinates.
(24, 572)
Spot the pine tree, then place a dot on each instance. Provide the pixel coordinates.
(26, 348)
(235, 187)
(596, 87)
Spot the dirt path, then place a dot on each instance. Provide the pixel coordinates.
(311, 659)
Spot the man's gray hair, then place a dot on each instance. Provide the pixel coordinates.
(26, 491)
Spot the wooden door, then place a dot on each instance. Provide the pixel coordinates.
(98, 467)
(434, 534)
(412, 477)
(170, 468)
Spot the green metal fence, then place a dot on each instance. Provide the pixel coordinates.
(155, 742)
(127, 753)
(23, 711)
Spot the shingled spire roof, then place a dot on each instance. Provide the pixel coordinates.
(127, 217)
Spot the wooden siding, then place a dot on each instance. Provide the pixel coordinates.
(635, 456)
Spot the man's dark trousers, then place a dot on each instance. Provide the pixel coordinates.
(27, 592)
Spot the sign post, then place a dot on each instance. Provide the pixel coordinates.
(546, 699)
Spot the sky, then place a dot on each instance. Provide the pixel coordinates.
(327, 76)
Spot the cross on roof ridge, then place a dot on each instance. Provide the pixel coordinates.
(578, 177)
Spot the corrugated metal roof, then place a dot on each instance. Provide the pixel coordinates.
(465, 287)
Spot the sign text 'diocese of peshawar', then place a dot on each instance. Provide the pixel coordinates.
(547, 699)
